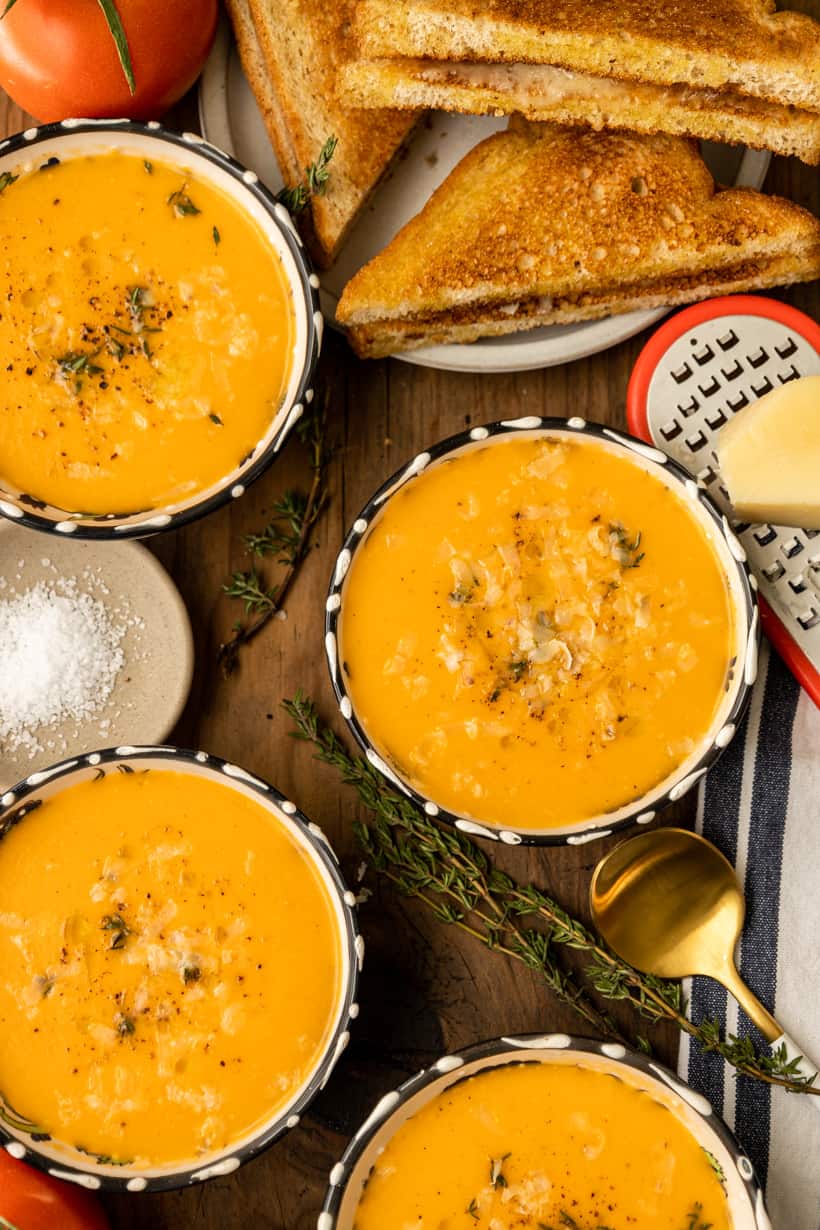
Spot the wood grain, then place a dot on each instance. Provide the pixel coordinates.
(426, 989)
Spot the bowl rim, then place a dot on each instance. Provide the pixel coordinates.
(17, 802)
(22, 510)
(675, 785)
(512, 1046)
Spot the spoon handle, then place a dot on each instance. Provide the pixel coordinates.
(750, 1004)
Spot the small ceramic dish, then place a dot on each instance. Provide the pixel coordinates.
(741, 669)
(350, 1175)
(152, 685)
(188, 152)
(23, 1139)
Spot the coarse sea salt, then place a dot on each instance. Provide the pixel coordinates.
(60, 654)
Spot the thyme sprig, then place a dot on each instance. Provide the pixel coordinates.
(317, 176)
(454, 877)
(287, 536)
(7, 179)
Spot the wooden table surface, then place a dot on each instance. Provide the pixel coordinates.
(426, 989)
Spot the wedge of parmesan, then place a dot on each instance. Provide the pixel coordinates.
(770, 457)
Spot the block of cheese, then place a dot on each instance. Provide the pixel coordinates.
(769, 456)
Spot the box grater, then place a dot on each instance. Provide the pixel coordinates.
(699, 369)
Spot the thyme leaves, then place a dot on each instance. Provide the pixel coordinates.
(456, 879)
(287, 537)
(6, 177)
(315, 183)
(181, 203)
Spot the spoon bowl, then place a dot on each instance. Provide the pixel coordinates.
(669, 903)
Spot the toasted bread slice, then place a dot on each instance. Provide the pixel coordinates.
(557, 95)
(291, 51)
(742, 45)
(546, 225)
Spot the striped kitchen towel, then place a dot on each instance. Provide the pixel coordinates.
(761, 807)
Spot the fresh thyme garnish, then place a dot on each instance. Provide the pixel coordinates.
(216, 235)
(315, 182)
(149, 166)
(182, 204)
(6, 179)
(472, 1209)
(463, 593)
(125, 1025)
(287, 536)
(76, 364)
(453, 876)
(716, 1167)
(629, 555)
(191, 973)
(216, 419)
(46, 983)
(497, 1177)
(694, 1219)
(119, 929)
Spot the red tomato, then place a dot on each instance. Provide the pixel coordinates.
(31, 1200)
(58, 58)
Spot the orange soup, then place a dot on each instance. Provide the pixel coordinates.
(170, 966)
(543, 1146)
(146, 334)
(536, 632)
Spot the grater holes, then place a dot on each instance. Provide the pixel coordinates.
(765, 386)
(758, 358)
(737, 403)
(709, 390)
(689, 407)
(797, 584)
(717, 419)
(791, 374)
(702, 356)
(773, 572)
(787, 349)
(764, 534)
(696, 442)
(728, 340)
(791, 547)
(682, 374)
(809, 619)
(732, 373)
(671, 429)
(811, 533)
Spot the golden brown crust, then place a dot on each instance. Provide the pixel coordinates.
(541, 210)
(743, 43)
(556, 96)
(378, 340)
(291, 51)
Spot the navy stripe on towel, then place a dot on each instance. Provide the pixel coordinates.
(758, 966)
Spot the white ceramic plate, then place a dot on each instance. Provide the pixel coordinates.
(231, 120)
(152, 685)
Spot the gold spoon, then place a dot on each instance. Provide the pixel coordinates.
(669, 903)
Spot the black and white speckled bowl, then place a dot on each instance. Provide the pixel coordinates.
(22, 1139)
(188, 151)
(349, 1176)
(742, 586)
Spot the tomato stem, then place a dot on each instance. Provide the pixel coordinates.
(114, 23)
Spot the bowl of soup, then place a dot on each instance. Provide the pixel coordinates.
(178, 967)
(159, 329)
(544, 1133)
(542, 631)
